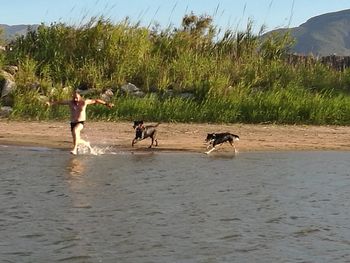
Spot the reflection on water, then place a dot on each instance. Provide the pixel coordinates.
(75, 167)
(173, 207)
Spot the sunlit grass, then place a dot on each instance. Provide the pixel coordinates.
(232, 77)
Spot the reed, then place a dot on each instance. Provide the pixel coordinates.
(232, 76)
(283, 106)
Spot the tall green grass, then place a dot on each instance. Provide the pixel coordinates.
(233, 76)
(283, 106)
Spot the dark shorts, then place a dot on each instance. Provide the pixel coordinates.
(73, 124)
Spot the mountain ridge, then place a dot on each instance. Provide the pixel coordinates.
(323, 35)
(11, 31)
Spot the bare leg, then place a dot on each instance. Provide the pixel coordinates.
(75, 142)
(77, 139)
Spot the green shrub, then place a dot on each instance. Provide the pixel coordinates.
(233, 77)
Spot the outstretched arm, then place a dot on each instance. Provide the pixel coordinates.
(58, 102)
(99, 101)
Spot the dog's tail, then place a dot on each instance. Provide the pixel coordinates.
(157, 124)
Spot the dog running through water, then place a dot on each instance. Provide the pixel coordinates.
(219, 138)
(143, 132)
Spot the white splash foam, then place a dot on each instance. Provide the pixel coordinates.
(95, 150)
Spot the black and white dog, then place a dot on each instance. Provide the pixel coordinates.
(219, 138)
(143, 132)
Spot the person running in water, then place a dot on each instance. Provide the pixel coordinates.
(77, 106)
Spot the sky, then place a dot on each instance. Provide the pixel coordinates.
(226, 14)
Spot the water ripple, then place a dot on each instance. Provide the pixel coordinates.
(173, 207)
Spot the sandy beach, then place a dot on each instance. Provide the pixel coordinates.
(178, 136)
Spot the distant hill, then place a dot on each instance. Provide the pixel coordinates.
(9, 32)
(323, 35)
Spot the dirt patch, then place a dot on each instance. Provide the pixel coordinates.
(179, 137)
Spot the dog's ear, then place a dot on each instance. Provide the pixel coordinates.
(136, 123)
(210, 136)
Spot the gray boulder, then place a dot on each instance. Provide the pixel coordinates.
(107, 95)
(5, 111)
(132, 90)
(129, 88)
(138, 94)
(7, 89)
(11, 69)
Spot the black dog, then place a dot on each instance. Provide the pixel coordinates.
(143, 132)
(219, 138)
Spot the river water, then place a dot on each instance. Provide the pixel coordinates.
(173, 207)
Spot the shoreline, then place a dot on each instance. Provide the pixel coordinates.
(188, 137)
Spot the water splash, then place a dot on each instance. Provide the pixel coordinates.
(95, 150)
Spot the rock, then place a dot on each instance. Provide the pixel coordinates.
(6, 75)
(5, 111)
(7, 86)
(132, 90)
(186, 95)
(34, 85)
(7, 92)
(11, 69)
(138, 94)
(107, 95)
(129, 88)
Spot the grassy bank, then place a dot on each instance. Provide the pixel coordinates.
(287, 106)
(232, 76)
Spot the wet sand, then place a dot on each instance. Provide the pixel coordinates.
(178, 136)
